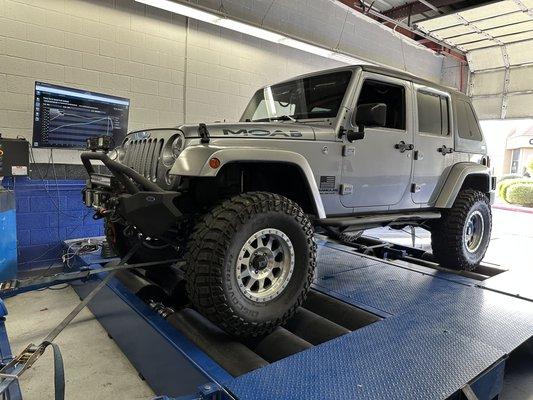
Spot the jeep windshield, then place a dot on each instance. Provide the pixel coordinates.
(317, 96)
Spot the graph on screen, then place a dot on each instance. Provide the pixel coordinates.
(66, 117)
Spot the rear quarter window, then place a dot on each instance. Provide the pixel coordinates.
(432, 113)
(467, 125)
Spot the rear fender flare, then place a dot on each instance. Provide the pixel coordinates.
(454, 182)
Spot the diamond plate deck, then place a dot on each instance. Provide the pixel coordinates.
(440, 336)
(378, 284)
(333, 262)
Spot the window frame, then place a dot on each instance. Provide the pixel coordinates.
(442, 95)
(386, 80)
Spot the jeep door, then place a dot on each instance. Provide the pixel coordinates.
(433, 140)
(376, 170)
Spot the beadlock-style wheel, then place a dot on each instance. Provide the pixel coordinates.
(250, 263)
(265, 265)
(461, 236)
(474, 229)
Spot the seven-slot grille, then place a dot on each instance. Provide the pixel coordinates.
(143, 156)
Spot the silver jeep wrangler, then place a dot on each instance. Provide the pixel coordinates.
(342, 150)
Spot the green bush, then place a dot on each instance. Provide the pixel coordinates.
(504, 186)
(529, 165)
(521, 194)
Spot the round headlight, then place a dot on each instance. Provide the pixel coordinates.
(172, 150)
(177, 146)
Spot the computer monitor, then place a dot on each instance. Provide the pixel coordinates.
(66, 117)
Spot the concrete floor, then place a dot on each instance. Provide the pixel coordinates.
(511, 239)
(96, 368)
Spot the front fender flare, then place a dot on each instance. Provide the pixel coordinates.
(194, 161)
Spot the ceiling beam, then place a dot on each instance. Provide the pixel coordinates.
(417, 7)
(412, 33)
(428, 4)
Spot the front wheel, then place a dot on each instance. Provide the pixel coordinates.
(250, 263)
(461, 237)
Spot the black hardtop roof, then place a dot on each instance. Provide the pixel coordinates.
(392, 72)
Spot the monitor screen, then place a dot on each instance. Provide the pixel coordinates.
(66, 117)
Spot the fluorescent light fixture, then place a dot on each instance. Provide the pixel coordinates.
(182, 9)
(211, 18)
(344, 58)
(297, 44)
(249, 30)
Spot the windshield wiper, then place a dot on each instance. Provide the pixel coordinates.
(280, 118)
(284, 118)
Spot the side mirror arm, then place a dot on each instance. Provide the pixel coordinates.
(353, 135)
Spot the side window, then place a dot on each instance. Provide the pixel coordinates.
(433, 113)
(392, 95)
(467, 125)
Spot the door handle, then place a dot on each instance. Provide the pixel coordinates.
(445, 150)
(402, 146)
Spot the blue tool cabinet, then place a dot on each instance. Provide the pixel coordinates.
(8, 235)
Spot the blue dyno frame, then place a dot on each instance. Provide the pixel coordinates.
(439, 332)
(13, 391)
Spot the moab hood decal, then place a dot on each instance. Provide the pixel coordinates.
(263, 130)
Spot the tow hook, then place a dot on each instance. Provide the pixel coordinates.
(101, 213)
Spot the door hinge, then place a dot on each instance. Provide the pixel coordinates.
(346, 189)
(415, 188)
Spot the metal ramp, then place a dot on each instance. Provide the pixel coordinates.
(413, 332)
(437, 336)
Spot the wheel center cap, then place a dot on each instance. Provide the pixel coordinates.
(259, 261)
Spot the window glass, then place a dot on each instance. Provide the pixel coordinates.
(429, 113)
(467, 125)
(281, 109)
(317, 96)
(392, 95)
(475, 132)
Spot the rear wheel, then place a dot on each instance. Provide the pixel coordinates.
(461, 237)
(250, 263)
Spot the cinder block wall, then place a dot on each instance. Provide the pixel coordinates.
(47, 213)
(173, 73)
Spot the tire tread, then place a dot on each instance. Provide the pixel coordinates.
(447, 233)
(206, 254)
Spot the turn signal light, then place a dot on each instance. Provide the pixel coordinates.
(214, 163)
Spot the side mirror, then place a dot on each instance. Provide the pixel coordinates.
(371, 114)
(355, 135)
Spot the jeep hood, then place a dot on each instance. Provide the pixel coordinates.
(282, 130)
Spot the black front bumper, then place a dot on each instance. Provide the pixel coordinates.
(134, 198)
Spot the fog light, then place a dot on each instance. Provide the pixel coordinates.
(214, 163)
(113, 154)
